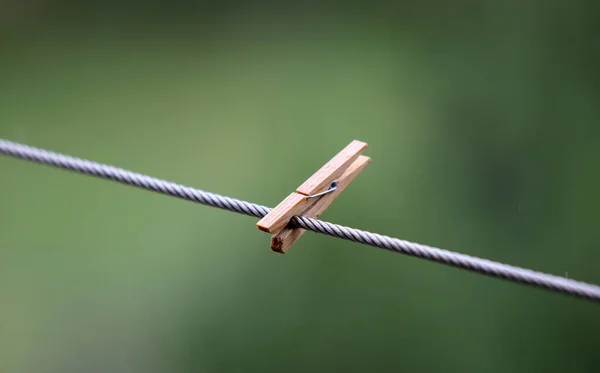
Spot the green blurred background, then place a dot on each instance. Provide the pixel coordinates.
(482, 120)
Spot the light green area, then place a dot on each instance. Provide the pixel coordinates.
(483, 142)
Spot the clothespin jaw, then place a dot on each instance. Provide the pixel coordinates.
(313, 197)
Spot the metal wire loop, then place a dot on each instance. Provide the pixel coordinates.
(332, 188)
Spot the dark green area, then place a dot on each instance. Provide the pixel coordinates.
(482, 120)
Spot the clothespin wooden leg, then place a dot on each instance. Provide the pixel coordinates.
(314, 195)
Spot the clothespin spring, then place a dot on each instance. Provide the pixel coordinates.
(332, 188)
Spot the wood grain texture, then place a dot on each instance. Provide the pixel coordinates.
(280, 216)
(285, 239)
(333, 169)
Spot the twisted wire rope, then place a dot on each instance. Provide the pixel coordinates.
(474, 264)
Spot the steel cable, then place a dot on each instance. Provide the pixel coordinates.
(478, 265)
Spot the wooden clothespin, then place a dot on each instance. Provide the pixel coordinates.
(313, 197)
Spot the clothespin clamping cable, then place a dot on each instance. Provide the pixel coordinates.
(314, 196)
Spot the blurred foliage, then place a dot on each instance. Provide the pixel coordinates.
(482, 120)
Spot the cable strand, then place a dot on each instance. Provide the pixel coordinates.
(434, 254)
